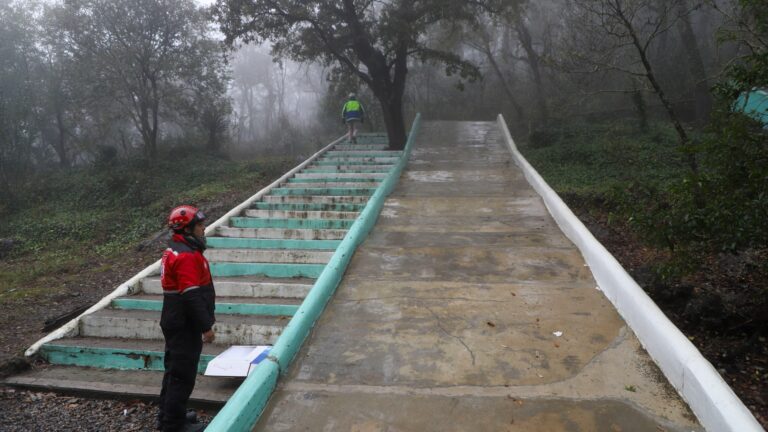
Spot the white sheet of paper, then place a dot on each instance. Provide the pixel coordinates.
(236, 361)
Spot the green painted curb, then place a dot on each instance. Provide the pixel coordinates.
(222, 308)
(269, 270)
(255, 243)
(244, 408)
(110, 358)
(249, 222)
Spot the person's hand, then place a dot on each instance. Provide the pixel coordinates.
(209, 336)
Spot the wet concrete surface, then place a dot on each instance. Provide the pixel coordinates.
(468, 309)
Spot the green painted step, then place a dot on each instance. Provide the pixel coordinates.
(250, 243)
(293, 214)
(308, 207)
(145, 324)
(228, 307)
(363, 153)
(334, 180)
(268, 270)
(332, 185)
(281, 233)
(246, 222)
(324, 191)
(355, 161)
(342, 175)
(372, 147)
(107, 353)
(316, 199)
(349, 169)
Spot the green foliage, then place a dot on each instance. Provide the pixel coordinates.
(733, 178)
(605, 159)
(68, 219)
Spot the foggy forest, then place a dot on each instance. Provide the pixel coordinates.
(649, 118)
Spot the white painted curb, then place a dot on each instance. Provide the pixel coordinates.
(131, 285)
(711, 399)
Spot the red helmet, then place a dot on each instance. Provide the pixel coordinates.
(183, 216)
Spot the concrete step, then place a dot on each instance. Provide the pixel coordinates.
(311, 191)
(247, 243)
(282, 233)
(309, 207)
(141, 324)
(266, 306)
(356, 161)
(288, 214)
(296, 288)
(332, 184)
(120, 384)
(348, 168)
(331, 178)
(322, 176)
(248, 222)
(316, 199)
(354, 147)
(365, 139)
(363, 153)
(268, 256)
(114, 353)
(276, 270)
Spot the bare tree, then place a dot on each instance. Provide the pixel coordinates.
(139, 53)
(696, 67)
(484, 40)
(617, 35)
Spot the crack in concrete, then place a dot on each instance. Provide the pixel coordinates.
(440, 326)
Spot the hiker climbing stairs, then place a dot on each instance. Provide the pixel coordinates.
(264, 261)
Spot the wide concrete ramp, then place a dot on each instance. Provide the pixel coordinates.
(468, 309)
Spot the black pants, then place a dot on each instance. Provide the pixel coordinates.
(182, 354)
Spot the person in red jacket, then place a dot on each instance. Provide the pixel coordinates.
(188, 314)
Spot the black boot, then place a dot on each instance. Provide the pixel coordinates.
(196, 427)
(191, 416)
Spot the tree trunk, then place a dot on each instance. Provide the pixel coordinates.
(507, 90)
(534, 64)
(640, 107)
(155, 119)
(651, 76)
(696, 68)
(392, 109)
(61, 142)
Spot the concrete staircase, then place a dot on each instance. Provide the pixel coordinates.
(264, 262)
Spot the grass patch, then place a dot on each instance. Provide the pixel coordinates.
(67, 221)
(597, 160)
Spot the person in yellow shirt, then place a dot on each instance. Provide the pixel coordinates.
(352, 113)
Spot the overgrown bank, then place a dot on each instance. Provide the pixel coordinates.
(72, 237)
(618, 179)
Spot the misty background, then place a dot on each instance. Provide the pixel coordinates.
(70, 99)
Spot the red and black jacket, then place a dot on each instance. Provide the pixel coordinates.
(189, 298)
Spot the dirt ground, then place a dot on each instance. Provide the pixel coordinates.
(23, 322)
(730, 341)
